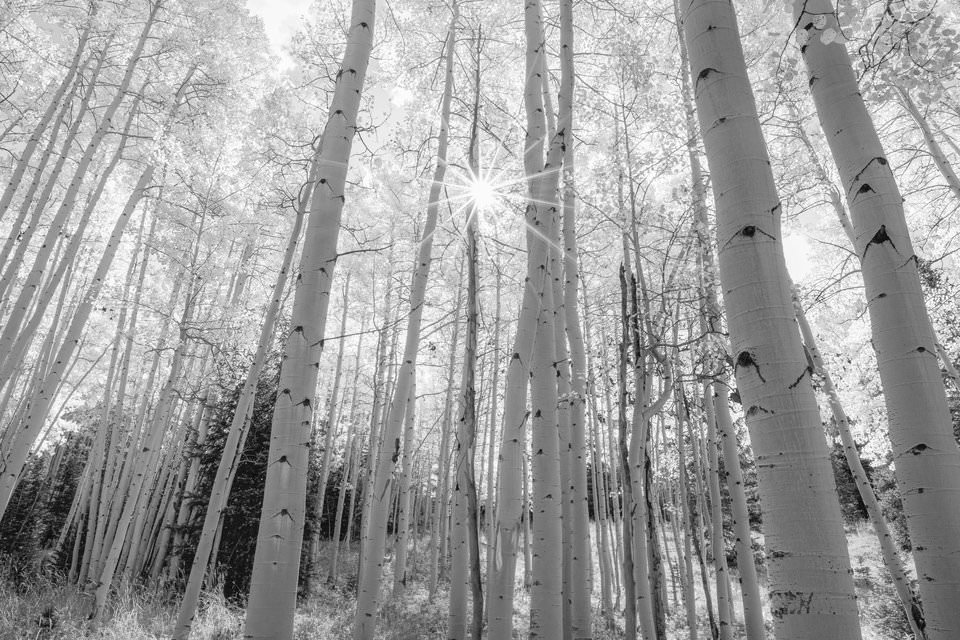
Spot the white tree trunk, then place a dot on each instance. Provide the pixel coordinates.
(811, 586)
(925, 454)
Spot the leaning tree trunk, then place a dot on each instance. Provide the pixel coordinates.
(273, 585)
(926, 457)
(888, 549)
(333, 418)
(936, 152)
(376, 532)
(233, 446)
(810, 580)
(38, 411)
(23, 161)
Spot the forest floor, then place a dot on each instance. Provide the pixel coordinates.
(43, 609)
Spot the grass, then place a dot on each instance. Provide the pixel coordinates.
(45, 609)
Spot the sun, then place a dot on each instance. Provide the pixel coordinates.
(482, 193)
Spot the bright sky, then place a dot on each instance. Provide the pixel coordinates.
(280, 18)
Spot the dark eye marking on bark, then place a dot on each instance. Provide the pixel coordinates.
(879, 237)
(755, 409)
(703, 75)
(880, 160)
(748, 231)
(807, 370)
(917, 449)
(745, 359)
(396, 451)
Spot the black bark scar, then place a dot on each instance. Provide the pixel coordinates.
(807, 370)
(879, 160)
(745, 359)
(879, 238)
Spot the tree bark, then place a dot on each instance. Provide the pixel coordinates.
(811, 593)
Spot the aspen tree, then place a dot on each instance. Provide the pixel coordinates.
(492, 479)
(716, 520)
(347, 483)
(688, 584)
(443, 458)
(936, 152)
(333, 415)
(35, 275)
(239, 428)
(146, 457)
(811, 593)
(383, 465)
(711, 323)
(402, 523)
(350, 472)
(12, 265)
(273, 585)
(631, 617)
(23, 162)
(465, 566)
(37, 415)
(746, 568)
(546, 598)
(888, 550)
(581, 581)
(925, 454)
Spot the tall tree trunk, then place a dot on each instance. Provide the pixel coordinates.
(402, 523)
(465, 568)
(888, 550)
(38, 412)
(23, 162)
(273, 585)
(939, 157)
(925, 454)
(375, 539)
(333, 416)
(581, 579)
(811, 587)
(237, 433)
(716, 520)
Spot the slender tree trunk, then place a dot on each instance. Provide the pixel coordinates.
(236, 437)
(465, 573)
(939, 157)
(749, 584)
(273, 585)
(440, 502)
(891, 558)
(38, 412)
(402, 526)
(333, 416)
(23, 162)
(375, 540)
(716, 520)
